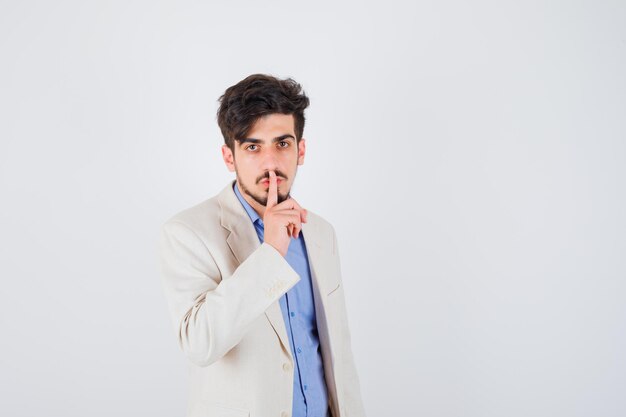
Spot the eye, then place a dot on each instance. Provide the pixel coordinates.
(283, 144)
(248, 148)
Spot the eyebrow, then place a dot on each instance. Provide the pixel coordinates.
(255, 141)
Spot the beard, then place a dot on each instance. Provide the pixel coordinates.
(262, 199)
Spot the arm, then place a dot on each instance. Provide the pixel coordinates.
(212, 315)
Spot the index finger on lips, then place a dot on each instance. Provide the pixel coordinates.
(272, 196)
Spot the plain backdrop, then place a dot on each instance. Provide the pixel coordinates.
(471, 156)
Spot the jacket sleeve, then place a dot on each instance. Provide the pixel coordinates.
(352, 403)
(211, 315)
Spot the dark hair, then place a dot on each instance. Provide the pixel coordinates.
(255, 96)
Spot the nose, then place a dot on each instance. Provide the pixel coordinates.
(270, 160)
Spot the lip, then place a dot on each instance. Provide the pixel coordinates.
(266, 183)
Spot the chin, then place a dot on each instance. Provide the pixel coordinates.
(281, 197)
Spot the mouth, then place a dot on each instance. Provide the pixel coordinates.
(266, 182)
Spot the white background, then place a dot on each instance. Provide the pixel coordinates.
(471, 156)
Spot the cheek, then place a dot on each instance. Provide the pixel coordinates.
(249, 173)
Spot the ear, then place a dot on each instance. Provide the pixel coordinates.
(301, 151)
(229, 158)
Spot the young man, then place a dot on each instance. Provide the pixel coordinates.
(253, 280)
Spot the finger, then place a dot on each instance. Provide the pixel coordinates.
(272, 196)
(288, 212)
(297, 226)
(291, 222)
(294, 230)
(296, 219)
(291, 203)
(288, 216)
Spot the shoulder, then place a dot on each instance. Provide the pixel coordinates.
(200, 218)
(198, 212)
(320, 222)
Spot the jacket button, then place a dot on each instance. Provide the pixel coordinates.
(286, 367)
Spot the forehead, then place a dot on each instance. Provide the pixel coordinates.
(272, 125)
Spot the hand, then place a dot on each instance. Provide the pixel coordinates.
(281, 221)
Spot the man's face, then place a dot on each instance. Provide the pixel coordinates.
(270, 145)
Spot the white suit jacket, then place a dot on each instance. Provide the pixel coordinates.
(223, 287)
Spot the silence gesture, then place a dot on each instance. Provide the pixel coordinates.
(282, 221)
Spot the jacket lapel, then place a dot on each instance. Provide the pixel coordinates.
(324, 282)
(320, 257)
